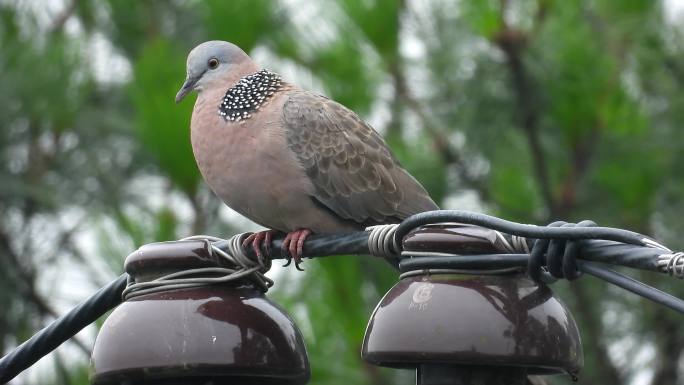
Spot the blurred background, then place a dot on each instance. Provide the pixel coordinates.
(532, 110)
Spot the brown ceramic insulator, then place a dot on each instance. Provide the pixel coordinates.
(156, 259)
(471, 320)
(220, 334)
(454, 238)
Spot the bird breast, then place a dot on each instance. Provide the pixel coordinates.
(248, 164)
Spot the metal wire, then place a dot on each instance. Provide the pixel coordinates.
(186, 279)
(423, 272)
(242, 266)
(381, 240)
(672, 264)
(631, 284)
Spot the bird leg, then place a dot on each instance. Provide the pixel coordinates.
(258, 240)
(293, 246)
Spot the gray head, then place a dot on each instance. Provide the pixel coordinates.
(211, 60)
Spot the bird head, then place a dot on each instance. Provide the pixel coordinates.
(210, 61)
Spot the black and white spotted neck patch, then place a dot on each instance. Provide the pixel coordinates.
(248, 95)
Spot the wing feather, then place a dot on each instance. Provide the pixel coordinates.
(353, 172)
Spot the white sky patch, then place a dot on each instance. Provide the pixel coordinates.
(464, 200)
(307, 18)
(290, 71)
(107, 65)
(646, 354)
(381, 114)
(412, 47)
(44, 11)
(673, 11)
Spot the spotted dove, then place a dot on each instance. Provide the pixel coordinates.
(289, 159)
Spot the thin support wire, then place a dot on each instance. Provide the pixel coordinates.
(240, 266)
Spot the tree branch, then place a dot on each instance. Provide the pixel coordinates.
(580, 159)
(512, 43)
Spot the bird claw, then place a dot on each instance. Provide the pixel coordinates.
(258, 240)
(289, 262)
(293, 247)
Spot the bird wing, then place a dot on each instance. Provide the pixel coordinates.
(353, 172)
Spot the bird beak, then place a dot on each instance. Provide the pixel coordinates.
(188, 86)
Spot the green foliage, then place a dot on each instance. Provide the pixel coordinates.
(345, 77)
(365, 15)
(515, 195)
(420, 159)
(483, 16)
(337, 300)
(243, 22)
(161, 125)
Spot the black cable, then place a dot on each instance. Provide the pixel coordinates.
(529, 231)
(465, 262)
(317, 245)
(631, 284)
(607, 252)
(60, 330)
(633, 254)
(558, 255)
(615, 253)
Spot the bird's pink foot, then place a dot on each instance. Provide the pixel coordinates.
(258, 240)
(293, 246)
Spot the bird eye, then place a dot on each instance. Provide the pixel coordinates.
(213, 63)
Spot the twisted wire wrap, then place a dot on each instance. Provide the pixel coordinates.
(652, 243)
(519, 244)
(381, 241)
(237, 253)
(672, 264)
(241, 266)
